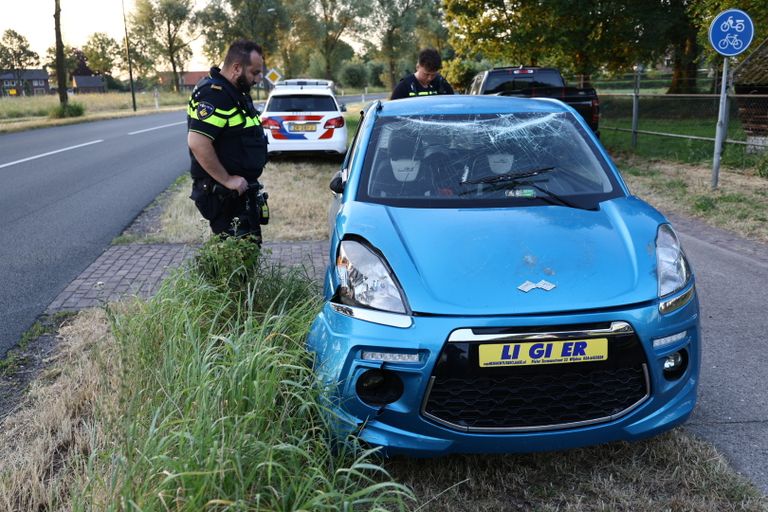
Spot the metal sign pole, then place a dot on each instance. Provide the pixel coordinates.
(722, 125)
(636, 105)
(730, 33)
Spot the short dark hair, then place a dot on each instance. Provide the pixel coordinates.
(430, 59)
(240, 52)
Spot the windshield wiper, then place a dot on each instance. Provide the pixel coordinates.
(507, 176)
(520, 178)
(556, 198)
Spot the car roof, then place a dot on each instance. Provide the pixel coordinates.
(317, 82)
(468, 104)
(285, 90)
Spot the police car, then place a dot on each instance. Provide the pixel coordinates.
(303, 115)
(495, 287)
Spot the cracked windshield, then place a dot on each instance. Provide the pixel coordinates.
(484, 160)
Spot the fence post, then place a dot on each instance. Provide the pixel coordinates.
(636, 104)
(722, 125)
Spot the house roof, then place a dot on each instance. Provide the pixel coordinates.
(27, 74)
(192, 77)
(754, 69)
(88, 81)
(188, 78)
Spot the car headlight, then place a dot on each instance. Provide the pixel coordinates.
(672, 270)
(365, 280)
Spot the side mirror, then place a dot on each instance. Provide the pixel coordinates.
(337, 185)
(343, 107)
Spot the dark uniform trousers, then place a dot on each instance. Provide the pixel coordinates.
(217, 110)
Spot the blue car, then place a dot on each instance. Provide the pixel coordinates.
(494, 286)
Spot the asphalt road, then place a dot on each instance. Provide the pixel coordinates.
(732, 411)
(66, 193)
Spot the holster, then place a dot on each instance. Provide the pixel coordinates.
(256, 207)
(208, 203)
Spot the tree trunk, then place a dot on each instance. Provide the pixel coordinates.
(684, 56)
(61, 74)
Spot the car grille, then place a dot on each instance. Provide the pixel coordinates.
(464, 396)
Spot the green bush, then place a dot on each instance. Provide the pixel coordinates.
(761, 166)
(236, 267)
(70, 110)
(354, 74)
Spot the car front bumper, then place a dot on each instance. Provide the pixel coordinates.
(405, 426)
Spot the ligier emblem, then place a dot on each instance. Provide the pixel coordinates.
(528, 286)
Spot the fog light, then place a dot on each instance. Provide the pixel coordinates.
(379, 387)
(675, 364)
(390, 357)
(672, 362)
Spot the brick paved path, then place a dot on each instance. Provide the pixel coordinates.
(138, 269)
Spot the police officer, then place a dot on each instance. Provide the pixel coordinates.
(426, 81)
(227, 144)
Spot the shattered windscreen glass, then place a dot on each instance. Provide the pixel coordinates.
(519, 159)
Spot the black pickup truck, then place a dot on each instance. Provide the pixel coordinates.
(535, 82)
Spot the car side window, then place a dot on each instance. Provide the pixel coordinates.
(352, 151)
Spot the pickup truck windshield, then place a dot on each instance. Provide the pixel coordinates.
(452, 161)
(511, 80)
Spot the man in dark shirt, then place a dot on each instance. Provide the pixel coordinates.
(426, 81)
(227, 145)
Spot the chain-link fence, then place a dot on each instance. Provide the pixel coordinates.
(639, 113)
(683, 127)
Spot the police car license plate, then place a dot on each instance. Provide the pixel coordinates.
(544, 352)
(308, 127)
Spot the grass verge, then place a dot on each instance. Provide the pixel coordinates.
(739, 204)
(298, 201)
(202, 398)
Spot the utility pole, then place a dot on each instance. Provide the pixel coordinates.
(128, 54)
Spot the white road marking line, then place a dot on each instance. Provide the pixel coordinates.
(157, 127)
(50, 153)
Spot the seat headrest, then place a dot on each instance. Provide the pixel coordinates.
(401, 146)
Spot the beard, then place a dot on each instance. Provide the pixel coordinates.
(242, 84)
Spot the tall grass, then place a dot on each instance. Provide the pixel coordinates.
(40, 106)
(219, 405)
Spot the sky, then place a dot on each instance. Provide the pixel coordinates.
(33, 19)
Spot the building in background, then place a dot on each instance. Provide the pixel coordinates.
(33, 82)
(84, 84)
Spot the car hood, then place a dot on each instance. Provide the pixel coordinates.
(473, 261)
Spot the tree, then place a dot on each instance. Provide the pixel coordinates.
(214, 24)
(393, 23)
(258, 20)
(61, 74)
(102, 53)
(335, 19)
(75, 63)
(580, 36)
(16, 56)
(141, 56)
(166, 26)
(431, 30)
(293, 52)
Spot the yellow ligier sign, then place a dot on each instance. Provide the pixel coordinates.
(543, 352)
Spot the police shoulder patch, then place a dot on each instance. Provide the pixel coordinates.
(204, 110)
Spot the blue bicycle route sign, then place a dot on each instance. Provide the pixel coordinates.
(731, 32)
